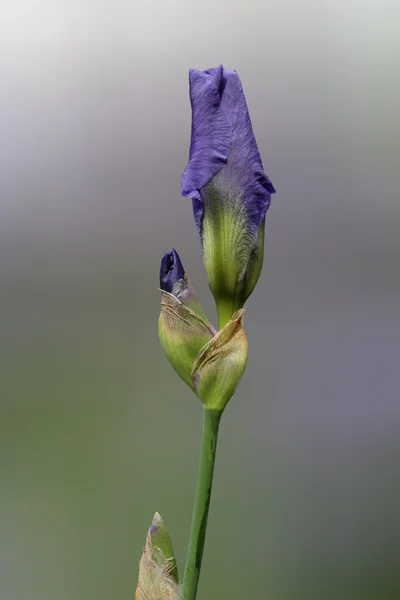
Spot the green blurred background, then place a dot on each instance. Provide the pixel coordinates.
(97, 432)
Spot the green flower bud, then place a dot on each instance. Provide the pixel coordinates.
(183, 332)
(158, 573)
(219, 367)
(233, 254)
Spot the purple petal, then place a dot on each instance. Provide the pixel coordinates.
(223, 140)
(211, 131)
(171, 270)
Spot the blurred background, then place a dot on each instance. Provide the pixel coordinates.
(96, 430)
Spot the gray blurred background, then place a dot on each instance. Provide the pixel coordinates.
(97, 431)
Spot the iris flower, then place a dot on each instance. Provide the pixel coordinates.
(228, 187)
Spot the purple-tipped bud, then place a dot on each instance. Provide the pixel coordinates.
(171, 270)
(229, 189)
(158, 573)
(183, 327)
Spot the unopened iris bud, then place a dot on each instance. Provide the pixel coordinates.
(171, 270)
(158, 573)
(174, 280)
(183, 327)
(220, 365)
(229, 189)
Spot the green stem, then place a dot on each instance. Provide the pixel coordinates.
(225, 312)
(201, 504)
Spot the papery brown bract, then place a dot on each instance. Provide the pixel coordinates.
(158, 574)
(219, 366)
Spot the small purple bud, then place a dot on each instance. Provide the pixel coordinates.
(183, 327)
(171, 270)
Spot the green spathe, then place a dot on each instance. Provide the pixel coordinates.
(183, 290)
(219, 366)
(183, 333)
(162, 546)
(158, 573)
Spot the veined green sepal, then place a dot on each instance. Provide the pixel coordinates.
(219, 366)
(233, 248)
(158, 573)
(183, 332)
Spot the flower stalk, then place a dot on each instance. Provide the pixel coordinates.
(230, 195)
(211, 420)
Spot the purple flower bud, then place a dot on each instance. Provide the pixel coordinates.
(171, 270)
(229, 189)
(223, 138)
